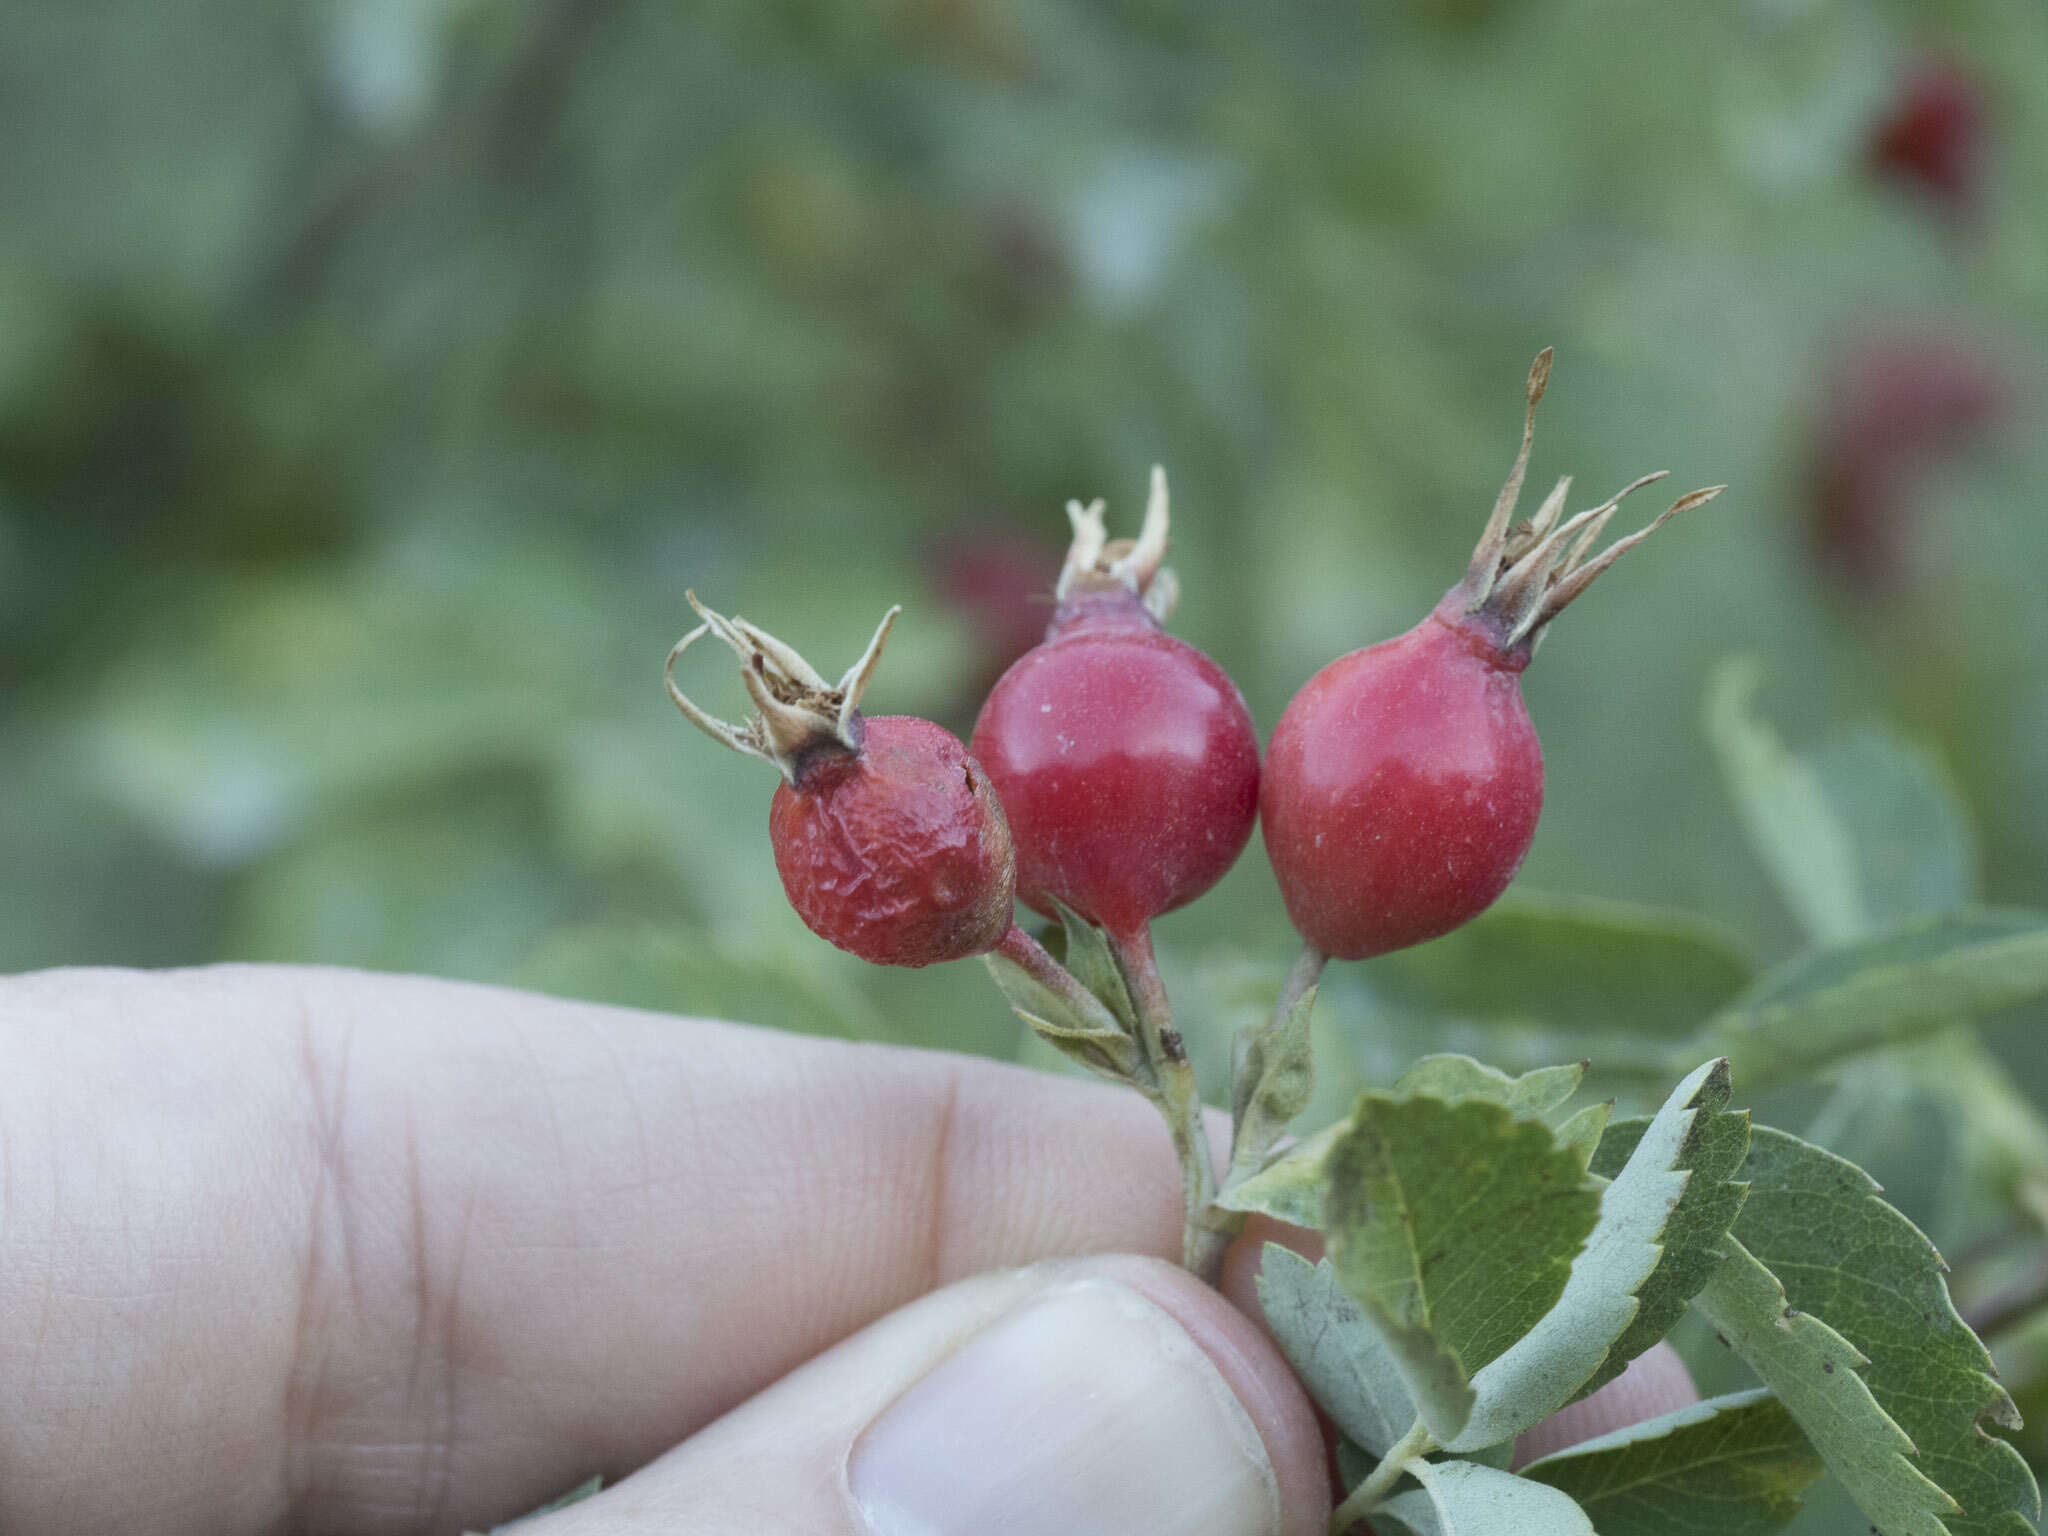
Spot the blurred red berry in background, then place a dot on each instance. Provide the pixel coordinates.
(1933, 137)
(1894, 408)
(1000, 584)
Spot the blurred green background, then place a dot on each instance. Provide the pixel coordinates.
(375, 375)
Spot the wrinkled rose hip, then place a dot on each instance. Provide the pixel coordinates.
(888, 836)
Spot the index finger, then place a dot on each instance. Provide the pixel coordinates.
(285, 1246)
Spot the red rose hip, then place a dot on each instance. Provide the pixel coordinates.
(1403, 783)
(889, 838)
(1125, 758)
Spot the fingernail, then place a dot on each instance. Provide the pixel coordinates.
(1089, 1411)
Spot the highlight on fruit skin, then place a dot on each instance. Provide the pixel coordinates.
(1403, 783)
(1126, 759)
(888, 836)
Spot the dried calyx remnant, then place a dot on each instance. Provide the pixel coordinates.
(801, 716)
(1525, 574)
(1097, 563)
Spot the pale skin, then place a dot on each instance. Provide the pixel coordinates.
(290, 1249)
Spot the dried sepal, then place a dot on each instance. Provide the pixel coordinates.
(1523, 575)
(1486, 554)
(1096, 562)
(798, 714)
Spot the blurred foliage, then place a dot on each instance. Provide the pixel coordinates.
(375, 374)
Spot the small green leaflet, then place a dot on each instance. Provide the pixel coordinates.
(1590, 967)
(1463, 1498)
(1272, 1081)
(1813, 1371)
(1335, 1351)
(1454, 1226)
(1099, 1031)
(1858, 834)
(1908, 981)
(1560, 1357)
(1715, 1144)
(1290, 1189)
(1843, 1254)
(1731, 1466)
(1084, 950)
(1460, 1077)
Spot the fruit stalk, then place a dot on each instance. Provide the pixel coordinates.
(1179, 1100)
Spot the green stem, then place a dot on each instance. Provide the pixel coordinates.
(1368, 1495)
(1202, 1247)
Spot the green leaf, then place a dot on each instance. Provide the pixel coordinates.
(1915, 850)
(1454, 1226)
(1451, 1076)
(1846, 1256)
(1292, 1187)
(1945, 1131)
(1581, 1134)
(1591, 1333)
(1693, 1231)
(1813, 1371)
(1587, 966)
(1859, 834)
(1463, 1498)
(1089, 1035)
(1909, 981)
(1730, 1466)
(1272, 1082)
(1085, 952)
(1334, 1349)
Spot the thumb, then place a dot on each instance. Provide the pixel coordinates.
(1111, 1395)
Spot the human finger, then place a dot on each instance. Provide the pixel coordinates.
(1097, 1397)
(287, 1246)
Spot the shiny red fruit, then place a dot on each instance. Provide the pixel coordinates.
(898, 852)
(1403, 782)
(1401, 790)
(1127, 763)
(1125, 759)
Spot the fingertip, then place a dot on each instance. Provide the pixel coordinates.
(1244, 1354)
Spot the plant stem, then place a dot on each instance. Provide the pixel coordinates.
(1179, 1100)
(1368, 1495)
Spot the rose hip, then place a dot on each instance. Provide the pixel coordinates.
(1933, 138)
(1403, 782)
(888, 836)
(1125, 759)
